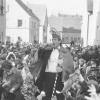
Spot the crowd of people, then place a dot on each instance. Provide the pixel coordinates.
(28, 72)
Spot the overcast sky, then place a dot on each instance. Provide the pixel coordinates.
(62, 6)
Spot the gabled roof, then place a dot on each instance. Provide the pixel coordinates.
(28, 10)
(39, 10)
(71, 30)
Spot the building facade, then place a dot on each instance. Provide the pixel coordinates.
(71, 34)
(21, 22)
(97, 27)
(2, 20)
(41, 12)
(91, 23)
(67, 26)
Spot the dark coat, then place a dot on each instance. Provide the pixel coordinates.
(15, 81)
(1, 78)
(43, 56)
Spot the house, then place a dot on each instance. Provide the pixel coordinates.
(67, 26)
(21, 22)
(2, 20)
(71, 34)
(41, 12)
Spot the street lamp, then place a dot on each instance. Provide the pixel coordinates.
(1, 8)
(88, 28)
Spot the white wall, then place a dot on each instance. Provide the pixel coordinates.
(14, 33)
(41, 34)
(34, 30)
(15, 13)
(84, 29)
(49, 35)
(98, 27)
(93, 23)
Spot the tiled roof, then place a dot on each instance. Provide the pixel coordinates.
(71, 30)
(28, 10)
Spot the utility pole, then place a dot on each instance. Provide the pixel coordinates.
(90, 12)
(88, 28)
(2, 20)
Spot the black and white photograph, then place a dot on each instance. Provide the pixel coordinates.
(49, 49)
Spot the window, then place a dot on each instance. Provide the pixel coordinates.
(75, 39)
(71, 38)
(8, 38)
(34, 25)
(62, 39)
(19, 23)
(67, 38)
(78, 38)
(44, 29)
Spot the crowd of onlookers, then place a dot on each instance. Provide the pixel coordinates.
(86, 59)
(14, 62)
